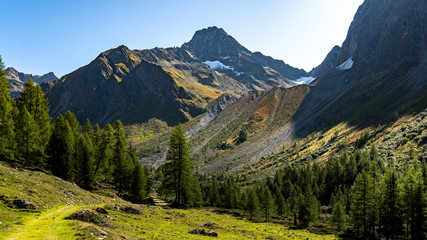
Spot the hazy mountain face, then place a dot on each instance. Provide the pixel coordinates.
(18, 79)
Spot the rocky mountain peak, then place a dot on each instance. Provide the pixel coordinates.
(213, 42)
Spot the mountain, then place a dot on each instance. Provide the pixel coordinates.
(171, 84)
(366, 84)
(214, 45)
(386, 44)
(17, 79)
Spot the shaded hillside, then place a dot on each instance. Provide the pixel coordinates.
(387, 43)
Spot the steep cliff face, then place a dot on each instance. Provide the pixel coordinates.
(328, 65)
(386, 45)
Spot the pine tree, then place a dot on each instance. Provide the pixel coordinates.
(338, 215)
(414, 203)
(390, 208)
(362, 203)
(192, 194)
(84, 162)
(34, 100)
(252, 204)
(27, 138)
(60, 149)
(88, 127)
(267, 204)
(7, 133)
(104, 154)
(215, 196)
(122, 166)
(281, 206)
(178, 166)
(139, 181)
(73, 123)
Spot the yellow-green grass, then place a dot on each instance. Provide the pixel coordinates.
(47, 225)
(49, 194)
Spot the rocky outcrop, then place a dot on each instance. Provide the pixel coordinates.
(387, 44)
(329, 64)
(255, 70)
(18, 79)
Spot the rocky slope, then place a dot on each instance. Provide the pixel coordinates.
(18, 79)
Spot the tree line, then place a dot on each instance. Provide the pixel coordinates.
(357, 193)
(83, 155)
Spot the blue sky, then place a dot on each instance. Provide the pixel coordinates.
(61, 36)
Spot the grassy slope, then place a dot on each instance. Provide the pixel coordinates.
(49, 194)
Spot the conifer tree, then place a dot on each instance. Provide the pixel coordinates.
(267, 204)
(60, 149)
(7, 133)
(281, 206)
(73, 123)
(362, 203)
(215, 199)
(88, 127)
(34, 100)
(414, 203)
(252, 204)
(122, 166)
(338, 213)
(139, 181)
(390, 206)
(104, 154)
(28, 147)
(84, 162)
(177, 169)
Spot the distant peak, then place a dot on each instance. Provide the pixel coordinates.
(213, 42)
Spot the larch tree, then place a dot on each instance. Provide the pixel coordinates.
(362, 203)
(7, 141)
(177, 169)
(60, 149)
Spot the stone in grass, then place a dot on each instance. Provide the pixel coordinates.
(198, 231)
(270, 238)
(131, 210)
(101, 210)
(210, 225)
(102, 232)
(23, 204)
(85, 216)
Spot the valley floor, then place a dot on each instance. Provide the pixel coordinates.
(56, 199)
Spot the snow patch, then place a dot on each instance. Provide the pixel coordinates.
(304, 80)
(346, 65)
(219, 65)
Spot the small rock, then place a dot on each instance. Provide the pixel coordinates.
(144, 232)
(69, 192)
(198, 231)
(131, 210)
(210, 225)
(23, 204)
(102, 232)
(101, 210)
(270, 238)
